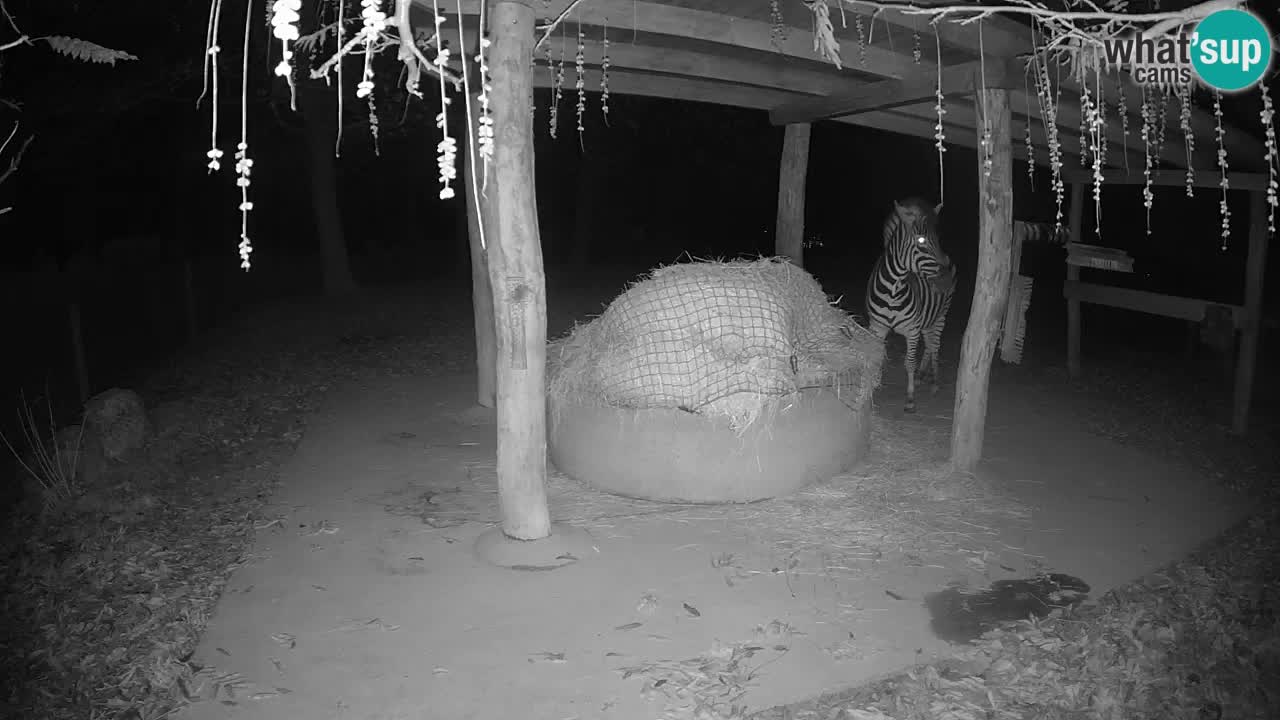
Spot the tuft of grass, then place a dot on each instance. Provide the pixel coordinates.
(53, 461)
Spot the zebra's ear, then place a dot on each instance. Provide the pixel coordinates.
(937, 209)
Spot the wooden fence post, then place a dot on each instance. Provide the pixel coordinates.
(792, 174)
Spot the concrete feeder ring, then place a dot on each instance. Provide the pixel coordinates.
(677, 456)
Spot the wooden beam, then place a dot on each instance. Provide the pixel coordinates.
(1167, 178)
(918, 87)
(627, 18)
(1075, 223)
(1173, 306)
(995, 239)
(792, 173)
(518, 281)
(1255, 272)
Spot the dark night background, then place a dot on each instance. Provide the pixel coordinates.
(115, 186)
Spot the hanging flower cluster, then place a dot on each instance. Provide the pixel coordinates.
(1148, 123)
(375, 21)
(244, 167)
(484, 130)
(986, 121)
(862, 37)
(1123, 108)
(579, 62)
(1223, 182)
(447, 148)
(284, 27)
(777, 30)
(1047, 95)
(1267, 116)
(1188, 137)
(211, 82)
(604, 72)
(558, 90)
(938, 134)
(916, 53)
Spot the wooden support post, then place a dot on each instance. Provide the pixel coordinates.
(481, 292)
(995, 241)
(517, 279)
(1075, 228)
(1246, 361)
(792, 173)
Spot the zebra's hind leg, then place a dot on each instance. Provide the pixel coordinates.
(913, 344)
(930, 361)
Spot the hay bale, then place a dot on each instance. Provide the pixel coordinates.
(715, 338)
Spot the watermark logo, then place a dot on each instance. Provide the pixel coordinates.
(1230, 50)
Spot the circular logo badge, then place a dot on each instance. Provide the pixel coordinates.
(1231, 49)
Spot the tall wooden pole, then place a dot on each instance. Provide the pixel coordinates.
(1255, 270)
(1075, 222)
(995, 243)
(517, 279)
(481, 293)
(792, 173)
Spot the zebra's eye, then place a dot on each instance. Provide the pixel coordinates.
(920, 239)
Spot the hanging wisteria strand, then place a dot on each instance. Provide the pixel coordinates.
(337, 141)
(1162, 128)
(916, 53)
(374, 22)
(1047, 94)
(1188, 137)
(862, 36)
(604, 73)
(551, 71)
(244, 165)
(1268, 115)
(211, 83)
(777, 32)
(987, 161)
(558, 90)
(1223, 182)
(475, 140)
(284, 27)
(1086, 112)
(1148, 130)
(938, 134)
(1122, 107)
(447, 148)
(1031, 148)
(580, 67)
(1096, 132)
(484, 129)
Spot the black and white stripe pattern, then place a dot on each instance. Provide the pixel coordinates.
(911, 287)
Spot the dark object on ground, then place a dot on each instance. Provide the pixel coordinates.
(961, 615)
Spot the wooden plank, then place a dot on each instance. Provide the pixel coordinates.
(1173, 306)
(995, 238)
(518, 282)
(1075, 225)
(792, 173)
(918, 87)
(1168, 178)
(1255, 273)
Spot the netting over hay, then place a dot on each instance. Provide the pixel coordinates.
(717, 338)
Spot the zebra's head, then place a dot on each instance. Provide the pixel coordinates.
(911, 237)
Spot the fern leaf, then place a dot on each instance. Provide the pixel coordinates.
(86, 51)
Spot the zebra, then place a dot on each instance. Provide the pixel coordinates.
(911, 287)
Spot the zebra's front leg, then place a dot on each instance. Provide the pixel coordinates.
(913, 343)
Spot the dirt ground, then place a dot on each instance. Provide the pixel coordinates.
(363, 596)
